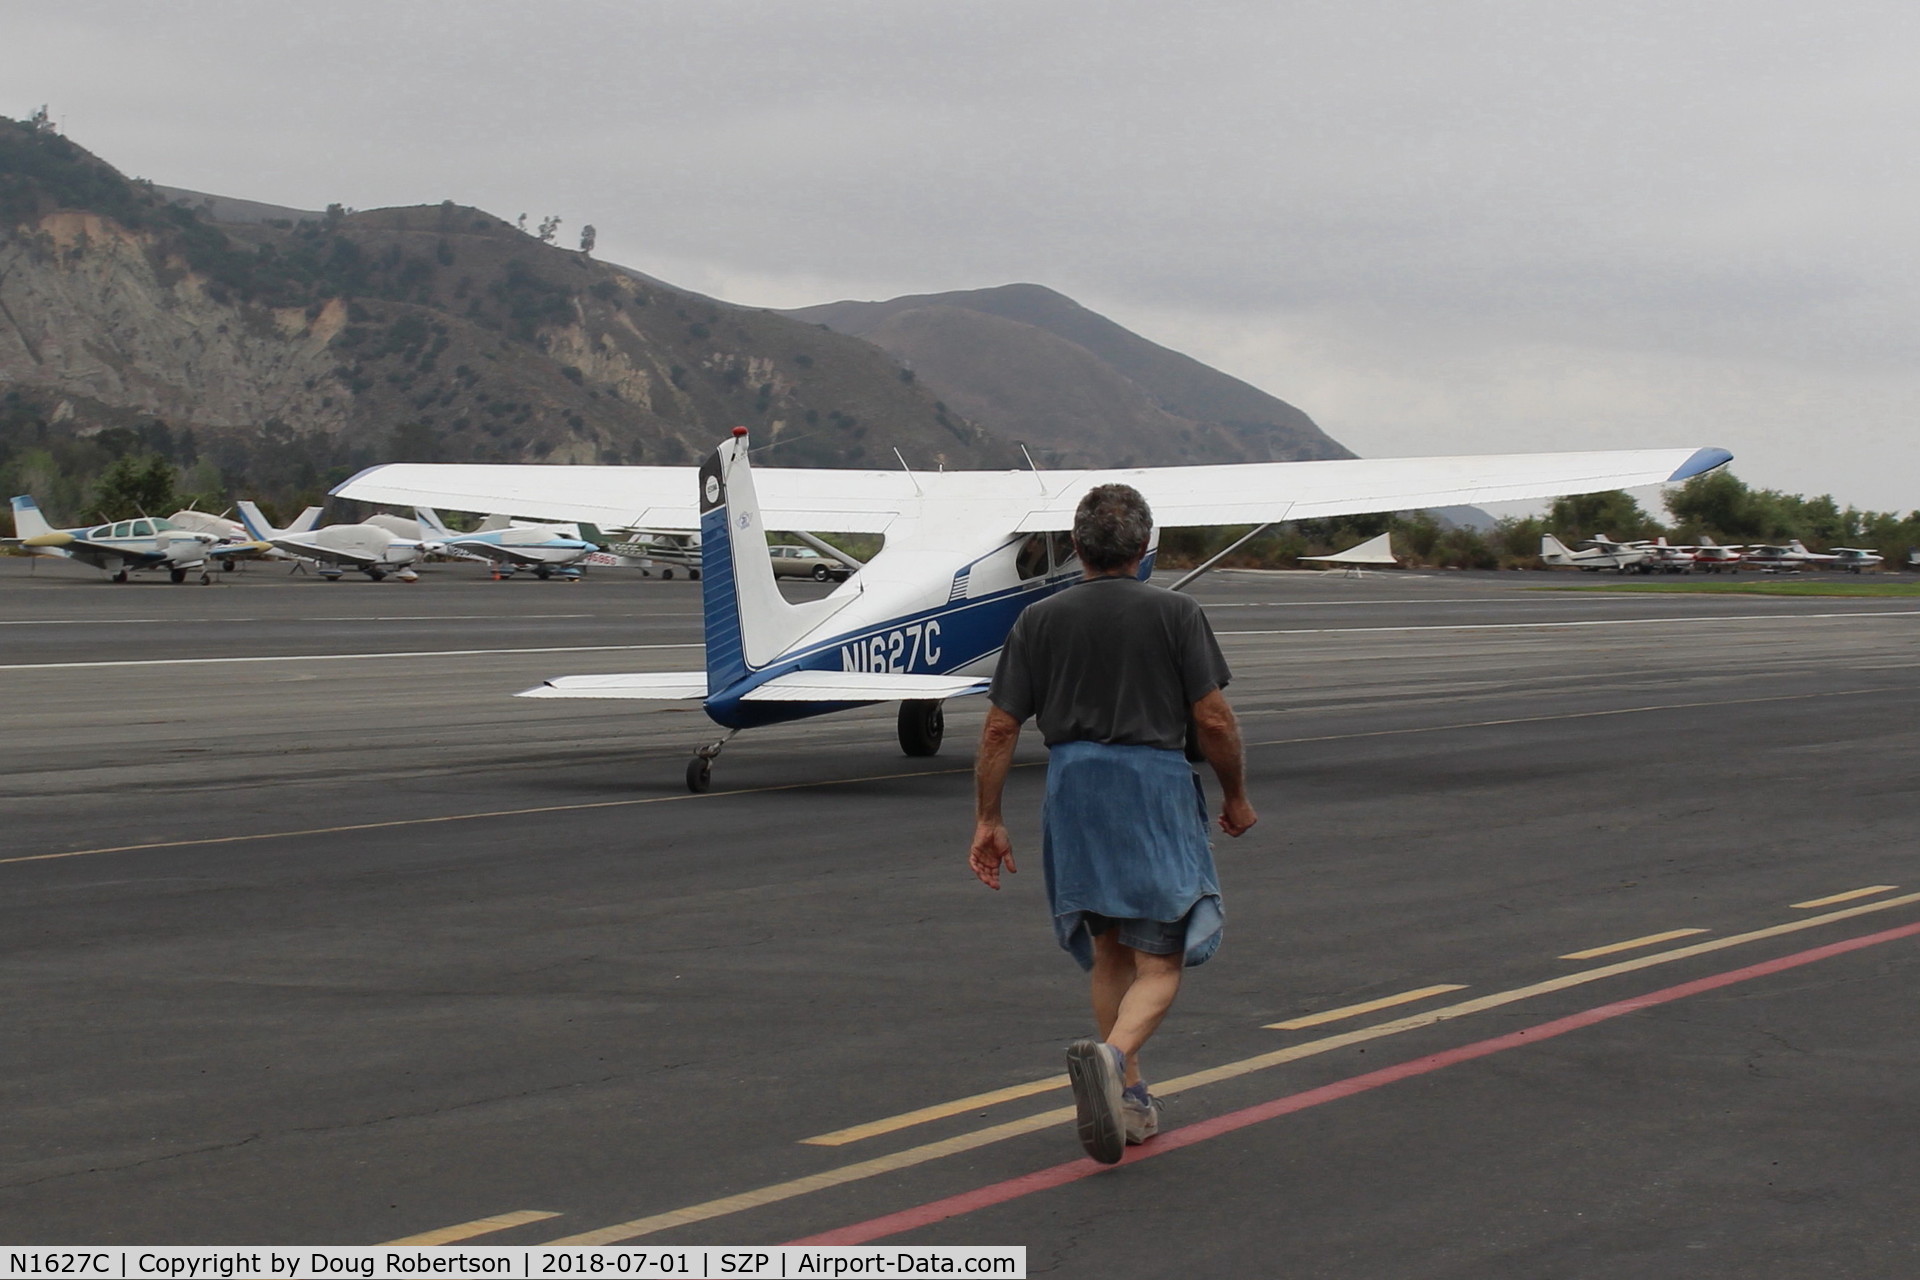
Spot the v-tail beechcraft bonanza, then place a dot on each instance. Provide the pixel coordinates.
(965, 551)
(120, 547)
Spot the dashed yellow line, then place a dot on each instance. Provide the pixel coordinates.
(1356, 1010)
(1652, 939)
(478, 1227)
(1848, 896)
(939, 1111)
(893, 1163)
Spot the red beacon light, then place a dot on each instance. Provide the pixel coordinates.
(739, 431)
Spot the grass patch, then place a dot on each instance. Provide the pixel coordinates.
(1764, 587)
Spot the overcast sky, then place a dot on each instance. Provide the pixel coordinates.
(1436, 227)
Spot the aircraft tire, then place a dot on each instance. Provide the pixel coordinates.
(693, 575)
(922, 724)
(206, 579)
(543, 573)
(177, 576)
(121, 576)
(699, 774)
(378, 575)
(666, 575)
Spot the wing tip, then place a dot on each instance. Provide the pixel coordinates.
(1702, 461)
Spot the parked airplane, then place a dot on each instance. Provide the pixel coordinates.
(1793, 556)
(1596, 553)
(965, 551)
(233, 532)
(120, 547)
(540, 547)
(1665, 558)
(1854, 559)
(335, 548)
(1711, 557)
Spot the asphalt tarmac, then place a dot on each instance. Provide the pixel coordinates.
(1578, 938)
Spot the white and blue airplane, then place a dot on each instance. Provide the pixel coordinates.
(925, 618)
(540, 547)
(120, 547)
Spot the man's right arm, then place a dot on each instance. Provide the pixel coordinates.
(1218, 733)
(991, 845)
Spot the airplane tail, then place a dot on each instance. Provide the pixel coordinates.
(307, 521)
(259, 528)
(27, 520)
(749, 623)
(431, 525)
(1553, 551)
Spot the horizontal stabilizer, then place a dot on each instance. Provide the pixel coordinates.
(861, 686)
(1373, 551)
(631, 684)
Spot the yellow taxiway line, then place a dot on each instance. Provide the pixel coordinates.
(1355, 1010)
(1848, 896)
(478, 1227)
(927, 1152)
(1631, 944)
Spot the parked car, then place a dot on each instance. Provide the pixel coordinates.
(805, 562)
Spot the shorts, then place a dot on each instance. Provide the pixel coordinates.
(1155, 937)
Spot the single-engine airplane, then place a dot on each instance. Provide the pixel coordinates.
(540, 547)
(965, 551)
(335, 548)
(1596, 553)
(120, 547)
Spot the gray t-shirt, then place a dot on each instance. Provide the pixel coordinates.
(1110, 660)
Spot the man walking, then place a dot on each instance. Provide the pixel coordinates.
(1114, 672)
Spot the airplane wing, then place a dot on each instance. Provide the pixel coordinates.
(869, 501)
(331, 555)
(654, 498)
(1255, 493)
(632, 684)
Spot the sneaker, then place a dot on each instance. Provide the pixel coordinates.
(1139, 1113)
(1096, 1070)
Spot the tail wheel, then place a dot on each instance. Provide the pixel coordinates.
(922, 724)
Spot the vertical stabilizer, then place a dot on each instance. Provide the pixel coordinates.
(431, 525)
(259, 528)
(749, 624)
(307, 521)
(1553, 551)
(27, 520)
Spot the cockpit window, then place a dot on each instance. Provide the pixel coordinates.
(1061, 544)
(104, 531)
(143, 528)
(123, 529)
(1031, 562)
(161, 526)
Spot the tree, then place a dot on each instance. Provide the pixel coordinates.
(1614, 513)
(521, 222)
(549, 227)
(41, 122)
(588, 236)
(136, 484)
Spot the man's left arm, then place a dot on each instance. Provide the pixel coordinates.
(1218, 732)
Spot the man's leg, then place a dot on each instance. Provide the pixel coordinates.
(1132, 991)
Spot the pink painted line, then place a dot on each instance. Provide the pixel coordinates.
(1174, 1140)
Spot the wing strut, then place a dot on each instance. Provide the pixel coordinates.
(1184, 582)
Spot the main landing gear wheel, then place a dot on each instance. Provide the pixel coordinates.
(922, 724)
(543, 573)
(378, 575)
(177, 576)
(120, 576)
(666, 575)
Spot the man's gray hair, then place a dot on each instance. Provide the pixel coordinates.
(1111, 527)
